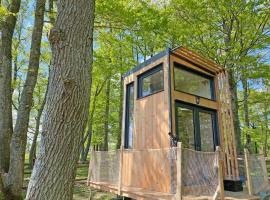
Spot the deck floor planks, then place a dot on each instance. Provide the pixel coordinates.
(142, 194)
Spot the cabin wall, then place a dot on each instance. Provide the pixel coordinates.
(151, 127)
(151, 113)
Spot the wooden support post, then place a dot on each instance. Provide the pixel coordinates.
(89, 169)
(120, 170)
(249, 180)
(179, 172)
(220, 173)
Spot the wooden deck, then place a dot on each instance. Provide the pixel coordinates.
(141, 194)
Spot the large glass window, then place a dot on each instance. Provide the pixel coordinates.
(192, 82)
(129, 126)
(150, 82)
(196, 127)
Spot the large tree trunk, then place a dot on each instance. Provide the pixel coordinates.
(235, 107)
(105, 145)
(67, 102)
(32, 153)
(6, 127)
(14, 178)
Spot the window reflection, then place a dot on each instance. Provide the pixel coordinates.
(185, 127)
(151, 81)
(206, 131)
(192, 83)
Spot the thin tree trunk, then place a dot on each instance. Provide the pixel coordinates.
(265, 148)
(235, 107)
(67, 102)
(120, 114)
(106, 117)
(246, 112)
(6, 128)
(85, 151)
(246, 108)
(32, 153)
(14, 178)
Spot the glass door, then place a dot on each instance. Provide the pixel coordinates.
(196, 127)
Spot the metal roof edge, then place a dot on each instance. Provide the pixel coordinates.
(148, 61)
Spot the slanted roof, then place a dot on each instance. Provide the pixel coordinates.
(185, 54)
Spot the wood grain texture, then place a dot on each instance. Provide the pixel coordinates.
(151, 128)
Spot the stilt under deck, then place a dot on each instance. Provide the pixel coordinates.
(141, 194)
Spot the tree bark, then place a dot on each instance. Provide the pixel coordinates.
(32, 153)
(105, 145)
(67, 102)
(6, 128)
(235, 107)
(14, 178)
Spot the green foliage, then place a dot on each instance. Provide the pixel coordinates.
(3, 13)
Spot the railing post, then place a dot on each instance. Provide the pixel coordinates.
(89, 169)
(220, 174)
(249, 180)
(179, 188)
(120, 170)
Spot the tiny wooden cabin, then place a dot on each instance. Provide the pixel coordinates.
(180, 92)
(176, 95)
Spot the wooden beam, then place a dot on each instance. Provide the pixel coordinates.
(205, 59)
(220, 173)
(189, 98)
(198, 63)
(179, 190)
(249, 179)
(176, 59)
(120, 170)
(192, 56)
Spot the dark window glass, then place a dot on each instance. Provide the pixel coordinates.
(196, 127)
(206, 131)
(150, 82)
(193, 83)
(185, 126)
(129, 127)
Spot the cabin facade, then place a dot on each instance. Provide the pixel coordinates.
(175, 97)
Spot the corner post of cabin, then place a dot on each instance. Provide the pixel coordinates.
(120, 170)
(179, 158)
(220, 172)
(249, 180)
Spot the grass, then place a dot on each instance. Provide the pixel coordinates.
(81, 191)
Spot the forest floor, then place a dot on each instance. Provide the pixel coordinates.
(81, 191)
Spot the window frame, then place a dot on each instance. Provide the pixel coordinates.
(187, 69)
(146, 74)
(127, 115)
(196, 122)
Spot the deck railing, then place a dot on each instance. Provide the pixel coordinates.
(178, 171)
(256, 173)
